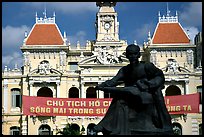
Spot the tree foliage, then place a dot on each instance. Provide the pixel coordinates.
(68, 130)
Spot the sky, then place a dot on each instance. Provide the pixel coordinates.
(77, 19)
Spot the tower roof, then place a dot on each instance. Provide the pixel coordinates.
(169, 31)
(45, 32)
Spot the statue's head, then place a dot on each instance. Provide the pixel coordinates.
(133, 53)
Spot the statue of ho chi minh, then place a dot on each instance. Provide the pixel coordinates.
(138, 108)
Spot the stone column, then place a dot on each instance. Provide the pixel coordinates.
(5, 105)
(116, 24)
(83, 93)
(24, 125)
(58, 89)
(31, 93)
(186, 87)
(153, 57)
(99, 25)
(100, 93)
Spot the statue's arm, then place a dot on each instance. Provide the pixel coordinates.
(116, 80)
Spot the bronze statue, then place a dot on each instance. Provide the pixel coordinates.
(138, 108)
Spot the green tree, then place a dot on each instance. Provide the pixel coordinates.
(68, 130)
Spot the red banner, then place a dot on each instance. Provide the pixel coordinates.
(47, 106)
(181, 104)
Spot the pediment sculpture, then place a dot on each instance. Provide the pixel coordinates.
(44, 68)
(105, 56)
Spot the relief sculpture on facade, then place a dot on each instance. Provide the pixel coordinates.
(172, 66)
(105, 56)
(44, 68)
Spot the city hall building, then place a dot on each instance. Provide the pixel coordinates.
(55, 69)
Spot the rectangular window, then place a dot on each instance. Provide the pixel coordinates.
(73, 66)
(16, 98)
(13, 100)
(15, 131)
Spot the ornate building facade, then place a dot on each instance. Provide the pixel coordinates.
(54, 68)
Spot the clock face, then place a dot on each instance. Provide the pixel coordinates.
(107, 25)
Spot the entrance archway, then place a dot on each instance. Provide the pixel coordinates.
(44, 130)
(177, 129)
(45, 92)
(91, 93)
(75, 127)
(172, 90)
(73, 92)
(14, 130)
(90, 130)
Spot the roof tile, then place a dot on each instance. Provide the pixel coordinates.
(45, 34)
(169, 33)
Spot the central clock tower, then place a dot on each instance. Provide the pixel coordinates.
(108, 48)
(107, 26)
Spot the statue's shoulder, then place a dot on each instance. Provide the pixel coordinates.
(126, 69)
(143, 62)
(146, 64)
(150, 67)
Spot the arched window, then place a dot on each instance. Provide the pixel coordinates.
(73, 92)
(199, 90)
(177, 129)
(75, 127)
(71, 129)
(45, 92)
(14, 130)
(200, 129)
(16, 97)
(91, 92)
(173, 90)
(90, 130)
(44, 130)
